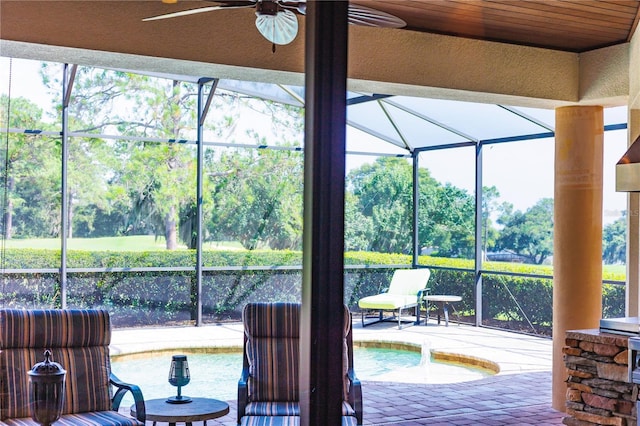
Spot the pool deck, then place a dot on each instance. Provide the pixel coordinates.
(520, 394)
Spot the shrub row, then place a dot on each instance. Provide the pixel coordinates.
(170, 297)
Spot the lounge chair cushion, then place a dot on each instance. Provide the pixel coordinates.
(270, 421)
(286, 421)
(403, 290)
(387, 301)
(409, 281)
(96, 418)
(286, 409)
(273, 409)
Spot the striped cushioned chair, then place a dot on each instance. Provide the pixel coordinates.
(268, 389)
(79, 341)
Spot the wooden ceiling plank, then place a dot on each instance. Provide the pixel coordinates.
(552, 11)
(578, 25)
(613, 7)
(583, 8)
(462, 18)
(476, 13)
(526, 37)
(634, 26)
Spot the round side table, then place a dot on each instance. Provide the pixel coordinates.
(199, 409)
(445, 301)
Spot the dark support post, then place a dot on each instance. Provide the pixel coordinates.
(478, 248)
(414, 222)
(416, 208)
(323, 238)
(203, 108)
(68, 76)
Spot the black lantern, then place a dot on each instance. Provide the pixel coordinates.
(47, 390)
(179, 376)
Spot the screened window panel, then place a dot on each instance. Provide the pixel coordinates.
(518, 205)
(252, 201)
(133, 197)
(447, 200)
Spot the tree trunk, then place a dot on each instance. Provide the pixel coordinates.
(170, 233)
(8, 219)
(70, 217)
(8, 214)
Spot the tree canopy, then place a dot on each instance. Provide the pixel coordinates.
(614, 241)
(140, 180)
(529, 234)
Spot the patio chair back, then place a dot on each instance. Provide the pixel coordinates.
(409, 282)
(269, 385)
(272, 350)
(78, 340)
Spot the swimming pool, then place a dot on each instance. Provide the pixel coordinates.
(215, 375)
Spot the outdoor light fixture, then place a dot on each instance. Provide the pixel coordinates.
(179, 376)
(46, 381)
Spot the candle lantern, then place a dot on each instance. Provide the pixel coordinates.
(179, 376)
(46, 380)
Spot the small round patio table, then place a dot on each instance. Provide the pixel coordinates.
(445, 300)
(199, 409)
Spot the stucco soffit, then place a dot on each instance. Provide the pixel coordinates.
(449, 64)
(605, 76)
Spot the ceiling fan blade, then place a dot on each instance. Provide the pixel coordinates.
(361, 15)
(296, 5)
(280, 28)
(232, 5)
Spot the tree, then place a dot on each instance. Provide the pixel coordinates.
(454, 224)
(384, 194)
(30, 174)
(358, 227)
(154, 175)
(257, 198)
(528, 234)
(614, 241)
(164, 174)
(490, 205)
(152, 184)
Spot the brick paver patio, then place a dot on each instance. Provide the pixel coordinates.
(519, 395)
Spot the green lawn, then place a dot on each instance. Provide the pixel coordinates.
(615, 269)
(132, 243)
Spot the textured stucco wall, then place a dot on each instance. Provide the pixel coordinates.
(604, 76)
(633, 199)
(444, 66)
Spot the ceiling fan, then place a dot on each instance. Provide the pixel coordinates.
(276, 19)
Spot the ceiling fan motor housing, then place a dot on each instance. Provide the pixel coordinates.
(267, 7)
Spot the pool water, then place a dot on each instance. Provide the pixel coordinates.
(216, 375)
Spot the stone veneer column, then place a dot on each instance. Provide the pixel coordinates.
(598, 392)
(577, 252)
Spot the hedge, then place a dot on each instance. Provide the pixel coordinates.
(169, 297)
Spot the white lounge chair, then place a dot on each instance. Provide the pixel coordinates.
(406, 290)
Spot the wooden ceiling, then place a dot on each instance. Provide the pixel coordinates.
(567, 25)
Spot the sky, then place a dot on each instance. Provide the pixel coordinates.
(522, 171)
